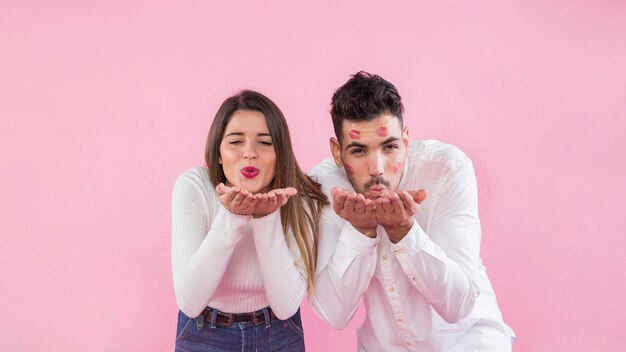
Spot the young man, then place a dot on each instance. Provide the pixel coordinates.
(403, 233)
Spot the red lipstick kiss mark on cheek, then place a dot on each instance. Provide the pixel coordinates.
(354, 134)
(396, 168)
(349, 169)
(382, 131)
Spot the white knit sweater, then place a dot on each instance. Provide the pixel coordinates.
(230, 262)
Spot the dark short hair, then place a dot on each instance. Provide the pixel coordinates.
(362, 98)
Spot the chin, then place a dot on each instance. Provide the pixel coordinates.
(372, 196)
(376, 195)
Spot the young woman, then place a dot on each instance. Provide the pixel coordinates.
(244, 234)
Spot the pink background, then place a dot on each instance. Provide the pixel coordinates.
(104, 103)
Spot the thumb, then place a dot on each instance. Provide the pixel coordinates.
(335, 191)
(290, 191)
(419, 195)
(221, 189)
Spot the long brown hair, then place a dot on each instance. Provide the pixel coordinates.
(302, 212)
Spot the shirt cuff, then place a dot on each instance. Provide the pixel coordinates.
(356, 241)
(415, 239)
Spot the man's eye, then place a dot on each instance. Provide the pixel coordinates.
(356, 151)
(390, 147)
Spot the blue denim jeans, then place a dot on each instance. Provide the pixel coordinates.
(202, 334)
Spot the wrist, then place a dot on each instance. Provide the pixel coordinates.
(367, 231)
(397, 232)
(260, 214)
(235, 212)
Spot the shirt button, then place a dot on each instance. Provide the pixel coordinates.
(408, 343)
(413, 278)
(391, 289)
(396, 251)
(400, 320)
(384, 256)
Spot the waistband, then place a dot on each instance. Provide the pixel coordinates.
(261, 316)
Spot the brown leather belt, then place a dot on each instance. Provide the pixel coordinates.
(228, 319)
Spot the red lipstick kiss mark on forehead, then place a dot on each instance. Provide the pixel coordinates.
(396, 168)
(349, 169)
(382, 131)
(354, 134)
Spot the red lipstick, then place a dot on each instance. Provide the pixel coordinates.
(249, 171)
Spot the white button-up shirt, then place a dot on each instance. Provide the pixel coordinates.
(429, 291)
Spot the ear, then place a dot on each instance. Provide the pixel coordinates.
(335, 149)
(219, 160)
(406, 140)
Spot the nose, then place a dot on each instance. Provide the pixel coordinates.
(250, 152)
(376, 165)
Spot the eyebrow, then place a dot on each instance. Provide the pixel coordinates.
(241, 134)
(354, 144)
(389, 140)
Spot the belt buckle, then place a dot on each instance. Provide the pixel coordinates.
(231, 318)
(258, 318)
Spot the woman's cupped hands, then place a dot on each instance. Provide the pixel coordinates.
(240, 201)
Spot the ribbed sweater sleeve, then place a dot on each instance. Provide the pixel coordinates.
(202, 243)
(281, 266)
